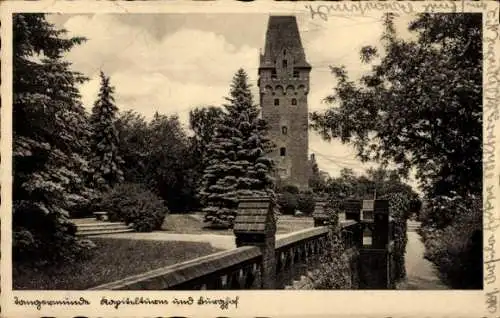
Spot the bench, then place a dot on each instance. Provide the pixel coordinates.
(101, 216)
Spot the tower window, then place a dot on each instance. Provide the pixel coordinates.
(273, 73)
(282, 151)
(284, 64)
(296, 74)
(284, 130)
(276, 102)
(294, 101)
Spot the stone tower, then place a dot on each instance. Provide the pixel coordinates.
(284, 85)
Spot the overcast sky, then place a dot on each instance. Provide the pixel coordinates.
(172, 63)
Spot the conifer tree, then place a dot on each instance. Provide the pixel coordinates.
(50, 134)
(105, 161)
(236, 157)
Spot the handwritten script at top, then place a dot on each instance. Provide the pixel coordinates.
(491, 115)
(324, 11)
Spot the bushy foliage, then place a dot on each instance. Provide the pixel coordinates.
(337, 267)
(50, 142)
(317, 179)
(335, 270)
(159, 155)
(290, 189)
(133, 144)
(134, 205)
(236, 156)
(452, 232)
(404, 111)
(203, 122)
(170, 164)
(421, 111)
(399, 204)
(287, 203)
(306, 202)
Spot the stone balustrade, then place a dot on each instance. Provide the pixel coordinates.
(260, 261)
(239, 268)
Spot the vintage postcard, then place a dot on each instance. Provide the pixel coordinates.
(250, 159)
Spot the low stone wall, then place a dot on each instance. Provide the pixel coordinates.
(238, 268)
(261, 261)
(233, 269)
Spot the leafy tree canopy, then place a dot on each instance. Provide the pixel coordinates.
(420, 106)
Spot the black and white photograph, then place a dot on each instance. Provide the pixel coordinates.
(307, 149)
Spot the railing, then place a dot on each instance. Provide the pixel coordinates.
(299, 252)
(238, 268)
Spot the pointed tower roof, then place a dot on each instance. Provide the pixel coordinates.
(283, 33)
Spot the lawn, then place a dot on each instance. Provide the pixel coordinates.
(193, 224)
(113, 259)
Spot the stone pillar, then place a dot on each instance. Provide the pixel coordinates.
(381, 233)
(352, 210)
(320, 214)
(255, 225)
(375, 260)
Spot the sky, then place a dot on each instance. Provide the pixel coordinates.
(172, 63)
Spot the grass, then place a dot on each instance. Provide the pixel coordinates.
(113, 259)
(193, 224)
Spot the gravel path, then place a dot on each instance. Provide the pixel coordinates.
(421, 273)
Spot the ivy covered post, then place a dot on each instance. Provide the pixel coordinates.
(320, 214)
(352, 211)
(255, 225)
(376, 256)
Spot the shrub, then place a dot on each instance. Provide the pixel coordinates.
(338, 267)
(290, 189)
(288, 203)
(306, 202)
(399, 205)
(42, 236)
(455, 246)
(44, 241)
(82, 210)
(134, 205)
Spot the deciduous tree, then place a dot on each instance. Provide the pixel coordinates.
(421, 107)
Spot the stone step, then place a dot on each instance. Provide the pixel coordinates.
(99, 225)
(103, 229)
(101, 232)
(84, 219)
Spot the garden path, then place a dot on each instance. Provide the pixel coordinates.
(420, 272)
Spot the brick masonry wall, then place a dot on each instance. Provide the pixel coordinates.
(284, 76)
(294, 118)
